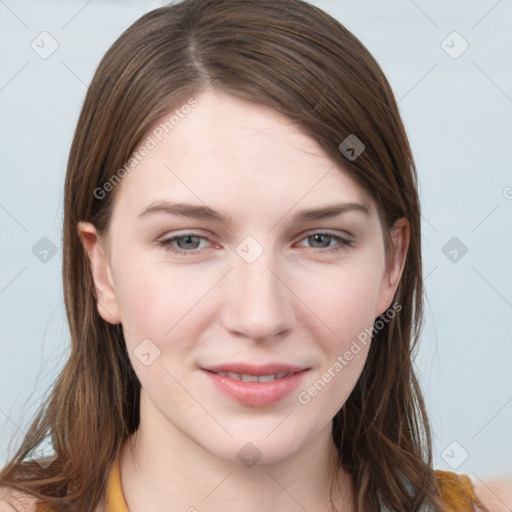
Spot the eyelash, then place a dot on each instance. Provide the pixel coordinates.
(167, 243)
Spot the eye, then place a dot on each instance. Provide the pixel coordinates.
(187, 241)
(324, 239)
(187, 244)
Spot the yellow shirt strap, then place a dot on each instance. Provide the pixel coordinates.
(457, 492)
(114, 501)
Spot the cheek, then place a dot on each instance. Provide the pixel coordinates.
(345, 304)
(143, 299)
(161, 302)
(344, 298)
(148, 298)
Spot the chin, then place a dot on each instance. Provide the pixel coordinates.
(252, 448)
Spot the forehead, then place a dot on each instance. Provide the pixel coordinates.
(235, 154)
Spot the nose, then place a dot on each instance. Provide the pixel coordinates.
(257, 304)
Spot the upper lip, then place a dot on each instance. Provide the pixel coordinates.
(252, 369)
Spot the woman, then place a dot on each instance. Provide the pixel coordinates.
(270, 363)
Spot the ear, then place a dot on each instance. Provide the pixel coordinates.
(96, 248)
(400, 235)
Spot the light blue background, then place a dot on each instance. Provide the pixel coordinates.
(458, 114)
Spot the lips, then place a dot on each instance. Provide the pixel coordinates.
(255, 385)
(245, 377)
(251, 369)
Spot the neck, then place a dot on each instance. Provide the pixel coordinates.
(162, 469)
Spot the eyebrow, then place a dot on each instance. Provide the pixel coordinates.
(206, 213)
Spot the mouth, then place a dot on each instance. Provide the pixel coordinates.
(255, 386)
(245, 377)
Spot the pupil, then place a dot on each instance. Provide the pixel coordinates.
(186, 239)
(318, 238)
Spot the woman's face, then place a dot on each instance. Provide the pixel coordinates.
(223, 255)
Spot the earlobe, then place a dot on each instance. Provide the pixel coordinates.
(400, 235)
(100, 266)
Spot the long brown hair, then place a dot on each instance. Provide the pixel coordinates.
(294, 58)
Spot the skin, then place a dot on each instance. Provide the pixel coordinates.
(295, 304)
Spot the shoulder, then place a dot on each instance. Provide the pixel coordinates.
(461, 494)
(495, 494)
(12, 500)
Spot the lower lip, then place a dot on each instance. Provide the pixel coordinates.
(257, 394)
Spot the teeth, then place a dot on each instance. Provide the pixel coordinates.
(243, 377)
(249, 378)
(266, 378)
